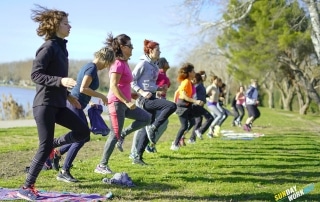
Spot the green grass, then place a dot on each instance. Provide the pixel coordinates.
(210, 170)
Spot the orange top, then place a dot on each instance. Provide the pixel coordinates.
(185, 86)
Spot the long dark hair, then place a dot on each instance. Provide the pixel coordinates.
(198, 78)
(116, 42)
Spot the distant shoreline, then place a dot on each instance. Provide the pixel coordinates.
(18, 86)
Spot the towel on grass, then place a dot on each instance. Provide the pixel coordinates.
(232, 135)
(11, 194)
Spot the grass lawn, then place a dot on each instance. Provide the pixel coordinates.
(210, 170)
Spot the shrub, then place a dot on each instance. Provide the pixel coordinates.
(10, 108)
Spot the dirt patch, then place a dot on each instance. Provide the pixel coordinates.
(14, 163)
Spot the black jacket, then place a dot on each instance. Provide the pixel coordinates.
(49, 67)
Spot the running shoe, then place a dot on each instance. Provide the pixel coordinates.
(66, 176)
(191, 141)
(174, 147)
(103, 169)
(199, 135)
(119, 144)
(29, 193)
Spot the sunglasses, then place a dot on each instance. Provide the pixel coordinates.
(129, 46)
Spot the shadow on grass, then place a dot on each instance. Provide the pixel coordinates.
(263, 196)
(210, 197)
(250, 156)
(268, 166)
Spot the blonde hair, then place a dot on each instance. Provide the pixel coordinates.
(105, 54)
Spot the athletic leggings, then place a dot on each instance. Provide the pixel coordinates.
(216, 113)
(200, 113)
(153, 105)
(184, 121)
(46, 117)
(224, 114)
(240, 109)
(166, 108)
(75, 147)
(118, 112)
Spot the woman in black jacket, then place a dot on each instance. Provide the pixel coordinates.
(50, 74)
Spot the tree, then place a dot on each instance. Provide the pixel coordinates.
(256, 35)
(313, 9)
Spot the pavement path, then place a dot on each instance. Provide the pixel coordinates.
(31, 122)
(17, 123)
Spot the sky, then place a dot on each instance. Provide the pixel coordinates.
(91, 22)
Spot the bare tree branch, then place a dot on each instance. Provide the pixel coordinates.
(247, 5)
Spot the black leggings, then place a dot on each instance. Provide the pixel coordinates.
(253, 111)
(199, 112)
(240, 109)
(46, 117)
(166, 107)
(184, 119)
(152, 105)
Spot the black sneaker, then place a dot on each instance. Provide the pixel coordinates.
(139, 161)
(148, 149)
(119, 144)
(66, 176)
(55, 160)
(151, 148)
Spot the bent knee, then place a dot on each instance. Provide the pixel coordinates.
(172, 107)
(256, 116)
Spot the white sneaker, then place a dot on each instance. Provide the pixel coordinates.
(216, 132)
(210, 135)
(103, 169)
(199, 135)
(191, 141)
(174, 147)
(132, 156)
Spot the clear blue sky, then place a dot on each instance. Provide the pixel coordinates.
(91, 21)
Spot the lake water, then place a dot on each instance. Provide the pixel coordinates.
(24, 97)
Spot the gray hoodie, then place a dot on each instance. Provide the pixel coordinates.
(145, 75)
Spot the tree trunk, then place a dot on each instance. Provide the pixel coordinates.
(269, 89)
(315, 23)
(287, 92)
(287, 102)
(304, 78)
(303, 100)
(270, 99)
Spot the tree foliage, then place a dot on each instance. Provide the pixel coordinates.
(254, 44)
